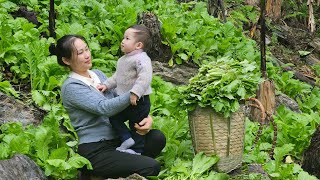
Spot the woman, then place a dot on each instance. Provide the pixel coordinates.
(89, 111)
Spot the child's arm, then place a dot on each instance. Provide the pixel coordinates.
(144, 72)
(108, 84)
(102, 87)
(111, 82)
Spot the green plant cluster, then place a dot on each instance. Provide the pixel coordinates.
(221, 84)
(52, 149)
(193, 36)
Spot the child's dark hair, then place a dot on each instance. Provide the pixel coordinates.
(65, 47)
(143, 35)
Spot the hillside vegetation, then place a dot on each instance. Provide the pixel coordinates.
(30, 74)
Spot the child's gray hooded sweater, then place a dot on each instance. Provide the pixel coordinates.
(89, 110)
(134, 74)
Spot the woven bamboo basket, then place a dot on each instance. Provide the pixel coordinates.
(213, 134)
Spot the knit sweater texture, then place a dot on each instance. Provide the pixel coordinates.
(133, 73)
(89, 110)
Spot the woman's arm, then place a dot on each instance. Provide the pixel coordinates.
(81, 96)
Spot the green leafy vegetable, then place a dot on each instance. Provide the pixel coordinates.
(221, 85)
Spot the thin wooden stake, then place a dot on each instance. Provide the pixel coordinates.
(263, 39)
(266, 91)
(52, 32)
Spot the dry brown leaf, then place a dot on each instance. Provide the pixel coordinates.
(253, 30)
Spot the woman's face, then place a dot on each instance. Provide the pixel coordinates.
(81, 57)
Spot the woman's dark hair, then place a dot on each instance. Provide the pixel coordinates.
(143, 35)
(65, 47)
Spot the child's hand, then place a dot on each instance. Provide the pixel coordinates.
(133, 99)
(102, 87)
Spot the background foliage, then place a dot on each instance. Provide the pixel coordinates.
(192, 35)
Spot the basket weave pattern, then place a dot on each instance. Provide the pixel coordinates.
(213, 134)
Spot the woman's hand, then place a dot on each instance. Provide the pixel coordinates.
(144, 126)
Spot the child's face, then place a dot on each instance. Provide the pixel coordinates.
(129, 42)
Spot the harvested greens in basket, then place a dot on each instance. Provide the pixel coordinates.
(221, 85)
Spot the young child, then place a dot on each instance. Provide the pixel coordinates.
(134, 74)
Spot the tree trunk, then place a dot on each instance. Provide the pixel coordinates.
(252, 2)
(311, 158)
(266, 95)
(213, 8)
(273, 8)
(266, 92)
(157, 51)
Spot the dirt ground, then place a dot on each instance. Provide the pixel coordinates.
(288, 46)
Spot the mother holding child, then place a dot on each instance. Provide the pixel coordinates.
(90, 104)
